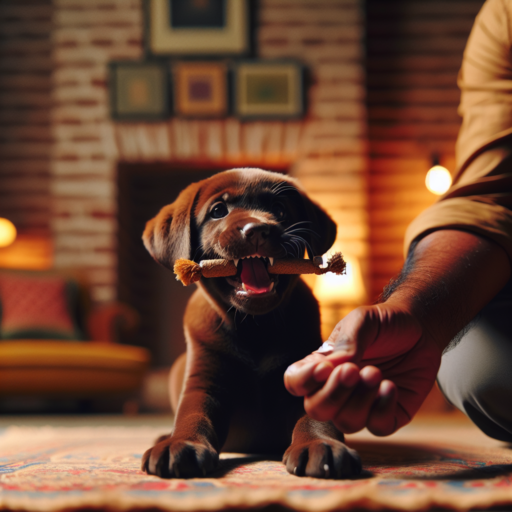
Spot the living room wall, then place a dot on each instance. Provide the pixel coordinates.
(25, 111)
(373, 122)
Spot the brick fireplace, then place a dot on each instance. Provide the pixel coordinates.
(326, 150)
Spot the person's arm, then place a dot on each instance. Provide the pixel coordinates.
(386, 356)
(450, 274)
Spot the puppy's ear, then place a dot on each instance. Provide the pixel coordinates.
(323, 226)
(168, 236)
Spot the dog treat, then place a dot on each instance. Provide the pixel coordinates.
(189, 272)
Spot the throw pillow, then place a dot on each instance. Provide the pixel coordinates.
(36, 306)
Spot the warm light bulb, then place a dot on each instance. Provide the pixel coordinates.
(7, 232)
(438, 180)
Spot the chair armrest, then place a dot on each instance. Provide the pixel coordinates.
(104, 321)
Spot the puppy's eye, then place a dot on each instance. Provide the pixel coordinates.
(218, 211)
(279, 211)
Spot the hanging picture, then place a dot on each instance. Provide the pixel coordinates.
(139, 91)
(192, 27)
(268, 89)
(200, 89)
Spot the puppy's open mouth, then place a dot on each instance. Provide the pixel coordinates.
(252, 277)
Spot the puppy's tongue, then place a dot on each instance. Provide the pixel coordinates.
(254, 275)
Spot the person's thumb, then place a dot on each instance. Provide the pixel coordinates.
(353, 335)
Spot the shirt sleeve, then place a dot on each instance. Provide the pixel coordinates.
(480, 199)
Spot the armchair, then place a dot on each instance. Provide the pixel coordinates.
(54, 344)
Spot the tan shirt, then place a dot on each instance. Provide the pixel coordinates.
(480, 199)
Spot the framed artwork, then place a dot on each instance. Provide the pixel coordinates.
(197, 27)
(268, 90)
(139, 91)
(200, 89)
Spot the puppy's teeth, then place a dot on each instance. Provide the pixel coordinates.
(236, 262)
(243, 286)
(271, 286)
(271, 260)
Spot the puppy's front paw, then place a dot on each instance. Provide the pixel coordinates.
(175, 458)
(322, 458)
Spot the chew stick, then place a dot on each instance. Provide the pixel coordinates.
(189, 272)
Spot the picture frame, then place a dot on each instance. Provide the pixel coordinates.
(198, 27)
(139, 91)
(200, 89)
(268, 90)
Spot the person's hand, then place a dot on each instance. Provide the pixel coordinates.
(382, 367)
(385, 358)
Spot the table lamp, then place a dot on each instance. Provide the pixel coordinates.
(338, 295)
(7, 232)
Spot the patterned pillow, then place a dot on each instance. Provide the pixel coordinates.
(37, 306)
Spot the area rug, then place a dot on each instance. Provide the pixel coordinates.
(62, 468)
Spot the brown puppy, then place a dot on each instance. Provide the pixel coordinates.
(243, 332)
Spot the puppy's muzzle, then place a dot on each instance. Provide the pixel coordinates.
(255, 254)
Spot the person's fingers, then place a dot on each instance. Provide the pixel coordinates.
(354, 414)
(382, 420)
(307, 375)
(352, 336)
(325, 404)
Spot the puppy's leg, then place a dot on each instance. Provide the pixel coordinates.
(318, 450)
(177, 381)
(201, 424)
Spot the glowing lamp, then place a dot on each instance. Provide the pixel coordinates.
(338, 295)
(7, 232)
(438, 180)
(347, 289)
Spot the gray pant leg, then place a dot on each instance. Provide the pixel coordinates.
(476, 374)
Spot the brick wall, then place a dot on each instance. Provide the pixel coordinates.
(328, 37)
(326, 150)
(25, 106)
(87, 35)
(414, 55)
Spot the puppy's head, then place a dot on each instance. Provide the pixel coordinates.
(249, 216)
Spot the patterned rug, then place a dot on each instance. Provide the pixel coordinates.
(57, 468)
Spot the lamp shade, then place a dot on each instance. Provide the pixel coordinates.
(7, 232)
(345, 289)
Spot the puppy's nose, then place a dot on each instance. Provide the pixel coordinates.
(256, 233)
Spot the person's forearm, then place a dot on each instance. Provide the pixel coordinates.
(448, 279)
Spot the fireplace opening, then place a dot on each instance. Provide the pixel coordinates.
(160, 300)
